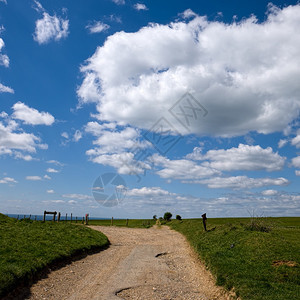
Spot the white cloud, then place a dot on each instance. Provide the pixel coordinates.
(148, 191)
(187, 14)
(97, 27)
(269, 192)
(296, 162)
(51, 170)
(182, 169)
(65, 135)
(77, 135)
(50, 28)
(72, 202)
(296, 140)
(140, 6)
(31, 116)
(244, 157)
(4, 1)
(123, 162)
(8, 180)
(38, 6)
(241, 182)
(50, 191)
(77, 196)
(6, 89)
(297, 172)
(116, 148)
(282, 143)
(47, 177)
(245, 86)
(4, 60)
(33, 178)
(119, 2)
(55, 162)
(25, 157)
(13, 139)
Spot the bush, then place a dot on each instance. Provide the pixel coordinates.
(167, 216)
(155, 217)
(178, 217)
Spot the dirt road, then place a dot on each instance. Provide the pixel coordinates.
(140, 264)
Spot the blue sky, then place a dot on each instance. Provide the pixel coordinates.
(193, 106)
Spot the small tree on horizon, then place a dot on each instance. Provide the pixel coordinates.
(178, 217)
(167, 216)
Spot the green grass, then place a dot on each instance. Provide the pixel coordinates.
(27, 247)
(244, 258)
(132, 223)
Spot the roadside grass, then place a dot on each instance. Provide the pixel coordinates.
(27, 247)
(257, 264)
(132, 223)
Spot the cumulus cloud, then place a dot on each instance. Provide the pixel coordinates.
(65, 135)
(97, 26)
(13, 139)
(148, 191)
(8, 180)
(297, 172)
(47, 177)
(244, 74)
(55, 162)
(182, 169)
(269, 192)
(245, 157)
(33, 178)
(116, 148)
(119, 2)
(6, 89)
(77, 135)
(4, 60)
(51, 170)
(31, 115)
(50, 191)
(140, 6)
(4, 1)
(282, 143)
(49, 27)
(296, 162)
(241, 182)
(77, 196)
(296, 140)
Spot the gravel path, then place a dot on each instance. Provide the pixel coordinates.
(155, 263)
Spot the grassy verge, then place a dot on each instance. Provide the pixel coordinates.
(27, 247)
(132, 223)
(260, 262)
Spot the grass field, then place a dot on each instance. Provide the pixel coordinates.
(28, 246)
(261, 260)
(132, 223)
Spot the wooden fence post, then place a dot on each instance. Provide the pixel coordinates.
(112, 221)
(58, 217)
(44, 218)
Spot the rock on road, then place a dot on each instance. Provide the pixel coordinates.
(154, 263)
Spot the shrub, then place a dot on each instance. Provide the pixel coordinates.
(155, 217)
(167, 216)
(178, 217)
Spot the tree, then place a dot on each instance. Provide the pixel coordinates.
(155, 217)
(178, 217)
(167, 216)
